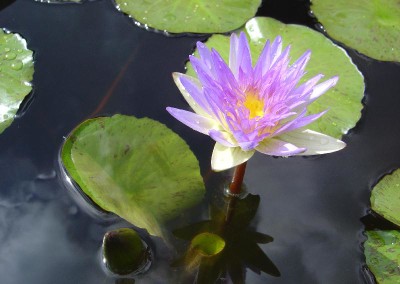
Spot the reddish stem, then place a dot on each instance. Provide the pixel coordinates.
(235, 187)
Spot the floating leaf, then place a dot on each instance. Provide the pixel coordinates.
(16, 72)
(208, 244)
(370, 26)
(385, 197)
(124, 251)
(136, 168)
(343, 101)
(190, 16)
(382, 251)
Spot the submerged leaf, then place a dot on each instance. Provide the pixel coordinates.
(190, 16)
(136, 168)
(385, 197)
(382, 251)
(343, 101)
(124, 251)
(370, 26)
(16, 72)
(207, 244)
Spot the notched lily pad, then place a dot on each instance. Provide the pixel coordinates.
(382, 251)
(385, 197)
(370, 26)
(16, 73)
(136, 168)
(343, 101)
(190, 16)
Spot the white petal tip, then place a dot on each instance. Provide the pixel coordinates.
(224, 158)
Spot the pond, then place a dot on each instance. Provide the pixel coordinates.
(91, 60)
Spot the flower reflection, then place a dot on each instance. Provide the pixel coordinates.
(240, 247)
(247, 109)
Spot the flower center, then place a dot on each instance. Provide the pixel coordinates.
(254, 105)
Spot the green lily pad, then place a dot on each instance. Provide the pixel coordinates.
(136, 168)
(382, 251)
(208, 244)
(343, 101)
(190, 16)
(16, 72)
(385, 197)
(370, 26)
(124, 251)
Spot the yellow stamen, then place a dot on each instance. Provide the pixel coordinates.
(254, 105)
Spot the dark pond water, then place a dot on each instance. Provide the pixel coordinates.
(92, 60)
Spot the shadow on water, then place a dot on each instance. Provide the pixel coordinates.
(229, 220)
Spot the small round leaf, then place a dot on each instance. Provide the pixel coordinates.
(207, 244)
(124, 251)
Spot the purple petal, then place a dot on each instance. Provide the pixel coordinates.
(317, 91)
(223, 138)
(297, 69)
(263, 62)
(205, 54)
(239, 56)
(244, 56)
(191, 90)
(196, 122)
(300, 122)
(233, 59)
(248, 145)
(223, 74)
(204, 74)
(320, 89)
(276, 48)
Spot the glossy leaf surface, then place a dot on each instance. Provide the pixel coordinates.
(382, 251)
(136, 168)
(370, 26)
(16, 73)
(190, 16)
(385, 197)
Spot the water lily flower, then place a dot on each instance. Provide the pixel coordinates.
(247, 109)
